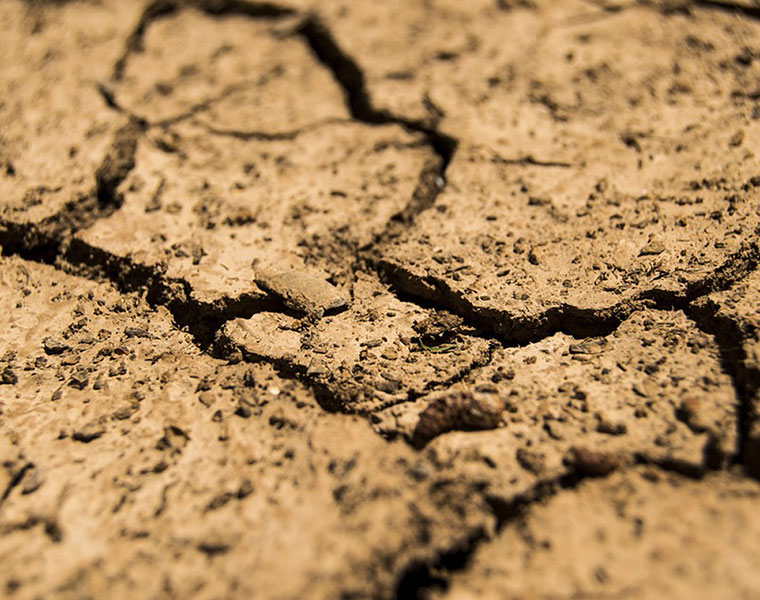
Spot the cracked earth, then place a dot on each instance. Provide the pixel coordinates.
(411, 299)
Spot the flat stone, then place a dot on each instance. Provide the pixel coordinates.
(303, 292)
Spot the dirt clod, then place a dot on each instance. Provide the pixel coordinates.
(594, 462)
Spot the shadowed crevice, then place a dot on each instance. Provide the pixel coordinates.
(351, 79)
(420, 578)
(160, 9)
(201, 319)
(269, 136)
(15, 482)
(731, 337)
(153, 12)
(578, 322)
(753, 12)
(44, 241)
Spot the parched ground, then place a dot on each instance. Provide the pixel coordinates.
(402, 299)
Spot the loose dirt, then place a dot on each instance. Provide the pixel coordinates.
(419, 299)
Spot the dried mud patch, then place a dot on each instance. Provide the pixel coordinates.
(403, 300)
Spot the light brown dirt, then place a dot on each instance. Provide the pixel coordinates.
(629, 536)
(379, 300)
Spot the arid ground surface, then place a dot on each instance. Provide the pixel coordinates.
(399, 299)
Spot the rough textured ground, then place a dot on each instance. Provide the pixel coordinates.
(409, 299)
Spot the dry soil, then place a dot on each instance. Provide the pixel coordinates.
(401, 299)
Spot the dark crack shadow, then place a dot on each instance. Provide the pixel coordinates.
(572, 320)
(45, 241)
(752, 12)
(420, 578)
(15, 482)
(202, 320)
(156, 10)
(350, 77)
(160, 9)
(269, 136)
(730, 337)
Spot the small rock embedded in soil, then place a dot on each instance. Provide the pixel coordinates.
(653, 248)
(594, 463)
(690, 412)
(115, 370)
(8, 377)
(592, 346)
(138, 332)
(242, 410)
(316, 368)
(89, 432)
(610, 425)
(460, 410)
(439, 327)
(126, 411)
(79, 380)
(53, 346)
(303, 292)
(531, 460)
(31, 482)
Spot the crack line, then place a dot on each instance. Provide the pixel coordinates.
(268, 136)
(15, 482)
(577, 322)
(753, 12)
(160, 9)
(730, 338)
(419, 578)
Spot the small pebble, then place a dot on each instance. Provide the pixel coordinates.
(54, 346)
(8, 377)
(653, 248)
(138, 332)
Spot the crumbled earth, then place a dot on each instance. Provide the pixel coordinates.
(421, 299)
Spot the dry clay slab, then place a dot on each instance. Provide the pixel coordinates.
(652, 391)
(57, 131)
(212, 214)
(589, 175)
(367, 357)
(673, 537)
